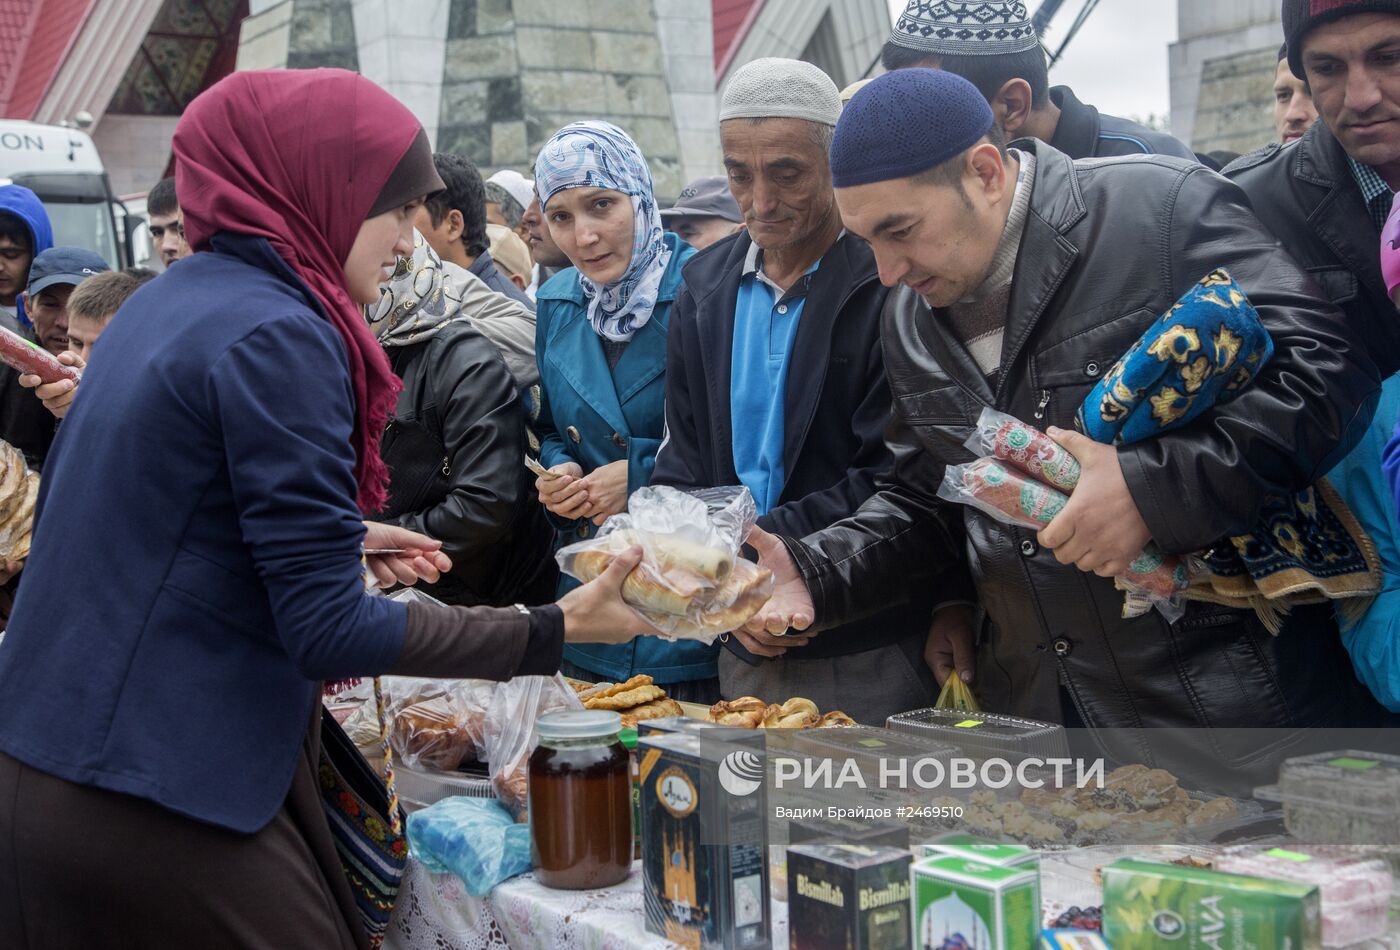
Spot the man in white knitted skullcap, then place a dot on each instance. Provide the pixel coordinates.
(775, 380)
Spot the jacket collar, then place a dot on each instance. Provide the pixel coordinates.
(713, 276)
(1339, 211)
(576, 352)
(1077, 132)
(259, 253)
(1057, 204)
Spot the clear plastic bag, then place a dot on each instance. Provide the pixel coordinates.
(691, 584)
(473, 838)
(444, 730)
(1012, 497)
(510, 736)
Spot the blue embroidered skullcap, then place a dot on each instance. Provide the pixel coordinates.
(904, 123)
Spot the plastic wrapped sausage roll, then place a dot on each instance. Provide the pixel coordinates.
(1025, 448)
(1012, 497)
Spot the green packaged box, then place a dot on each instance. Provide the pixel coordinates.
(960, 845)
(848, 897)
(959, 902)
(1148, 906)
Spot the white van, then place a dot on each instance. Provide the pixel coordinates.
(62, 167)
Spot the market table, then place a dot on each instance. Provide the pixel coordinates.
(435, 912)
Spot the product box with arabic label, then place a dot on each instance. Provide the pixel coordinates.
(848, 897)
(1150, 906)
(959, 902)
(704, 842)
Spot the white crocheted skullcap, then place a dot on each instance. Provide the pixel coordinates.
(773, 88)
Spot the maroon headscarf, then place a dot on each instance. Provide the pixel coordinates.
(299, 157)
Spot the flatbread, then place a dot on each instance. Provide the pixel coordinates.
(659, 709)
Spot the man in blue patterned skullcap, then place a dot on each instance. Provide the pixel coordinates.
(993, 45)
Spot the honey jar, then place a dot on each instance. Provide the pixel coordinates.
(580, 801)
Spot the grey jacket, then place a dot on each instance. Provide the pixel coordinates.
(1109, 245)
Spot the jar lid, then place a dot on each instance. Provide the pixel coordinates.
(579, 724)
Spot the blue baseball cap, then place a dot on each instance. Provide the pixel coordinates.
(63, 265)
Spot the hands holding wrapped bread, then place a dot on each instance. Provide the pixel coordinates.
(690, 582)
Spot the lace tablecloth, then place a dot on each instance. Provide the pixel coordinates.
(435, 912)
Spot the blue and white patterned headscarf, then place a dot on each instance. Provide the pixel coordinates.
(600, 155)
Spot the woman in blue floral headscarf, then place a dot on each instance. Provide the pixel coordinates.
(600, 341)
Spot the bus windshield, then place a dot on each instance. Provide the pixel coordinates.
(86, 225)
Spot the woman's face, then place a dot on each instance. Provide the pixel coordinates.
(382, 240)
(593, 227)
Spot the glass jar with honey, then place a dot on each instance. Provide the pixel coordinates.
(580, 801)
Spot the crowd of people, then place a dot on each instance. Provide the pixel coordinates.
(355, 346)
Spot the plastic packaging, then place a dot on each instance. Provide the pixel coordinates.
(1013, 498)
(445, 729)
(28, 357)
(419, 788)
(1355, 888)
(691, 584)
(1341, 797)
(1025, 448)
(985, 734)
(475, 839)
(510, 737)
(956, 694)
(19, 493)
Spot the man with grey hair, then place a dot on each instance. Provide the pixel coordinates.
(508, 194)
(774, 380)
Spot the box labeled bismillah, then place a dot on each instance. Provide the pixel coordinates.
(959, 902)
(1150, 906)
(704, 842)
(848, 897)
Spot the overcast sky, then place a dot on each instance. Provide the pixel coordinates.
(1118, 60)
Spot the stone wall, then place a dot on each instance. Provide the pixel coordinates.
(493, 79)
(517, 70)
(1234, 110)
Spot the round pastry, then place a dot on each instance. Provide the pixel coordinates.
(835, 718)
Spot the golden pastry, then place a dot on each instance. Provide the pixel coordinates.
(835, 719)
(626, 700)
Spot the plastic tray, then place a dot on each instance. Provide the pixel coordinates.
(419, 788)
(1355, 888)
(985, 734)
(1341, 797)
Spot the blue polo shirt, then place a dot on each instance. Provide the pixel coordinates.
(765, 325)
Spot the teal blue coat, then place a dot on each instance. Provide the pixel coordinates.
(594, 416)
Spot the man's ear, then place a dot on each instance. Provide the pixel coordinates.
(456, 225)
(989, 170)
(1012, 106)
(24, 296)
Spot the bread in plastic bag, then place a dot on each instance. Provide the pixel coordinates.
(473, 838)
(691, 583)
(1014, 498)
(510, 735)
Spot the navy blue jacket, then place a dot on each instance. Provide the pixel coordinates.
(1085, 132)
(196, 563)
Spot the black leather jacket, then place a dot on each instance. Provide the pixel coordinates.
(456, 451)
(1109, 245)
(1307, 196)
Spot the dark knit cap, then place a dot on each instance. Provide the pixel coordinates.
(1300, 17)
(415, 176)
(904, 123)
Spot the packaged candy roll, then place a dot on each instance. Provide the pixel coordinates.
(1025, 448)
(1014, 498)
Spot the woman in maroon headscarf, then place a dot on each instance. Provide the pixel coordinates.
(196, 569)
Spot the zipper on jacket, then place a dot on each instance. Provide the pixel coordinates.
(1040, 407)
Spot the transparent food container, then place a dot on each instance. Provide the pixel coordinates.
(1355, 887)
(1342, 797)
(419, 788)
(985, 735)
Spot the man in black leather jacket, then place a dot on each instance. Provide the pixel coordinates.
(1105, 247)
